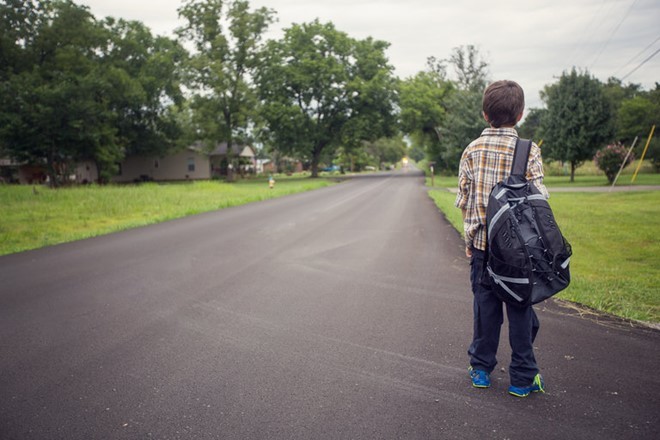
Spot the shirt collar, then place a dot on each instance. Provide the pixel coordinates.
(500, 132)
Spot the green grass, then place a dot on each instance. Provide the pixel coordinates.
(616, 249)
(586, 175)
(445, 201)
(29, 221)
(564, 181)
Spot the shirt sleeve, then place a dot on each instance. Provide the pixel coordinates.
(464, 181)
(535, 170)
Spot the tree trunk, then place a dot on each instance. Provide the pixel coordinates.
(316, 157)
(315, 164)
(230, 144)
(51, 171)
(573, 165)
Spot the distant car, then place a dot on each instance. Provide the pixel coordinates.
(331, 168)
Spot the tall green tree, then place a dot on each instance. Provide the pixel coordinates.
(470, 68)
(531, 127)
(464, 122)
(322, 89)
(638, 114)
(78, 89)
(424, 101)
(18, 21)
(579, 118)
(444, 115)
(635, 117)
(53, 108)
(227, 37)
(145, 72)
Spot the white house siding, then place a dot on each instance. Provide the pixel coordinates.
(172, 167)
(86, 172)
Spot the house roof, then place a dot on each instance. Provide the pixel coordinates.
(221, 149)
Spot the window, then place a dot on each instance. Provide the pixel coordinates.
(156, 163)
(191, 164)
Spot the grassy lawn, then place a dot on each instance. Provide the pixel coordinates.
(586, 175)
(616, 248)
(564, 181)
(29, 221)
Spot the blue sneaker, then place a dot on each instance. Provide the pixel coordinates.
(480, 378)
(538, 386)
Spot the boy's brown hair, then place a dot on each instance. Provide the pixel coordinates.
(503, 102)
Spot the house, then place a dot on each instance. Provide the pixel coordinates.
(281, 165)
(193, 163)
(30, 174)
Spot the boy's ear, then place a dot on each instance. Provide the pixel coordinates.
(519, 117)
(486, 116)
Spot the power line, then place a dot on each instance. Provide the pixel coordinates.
(640, 64)
(638, 54)
(600, 52)
(595, 16)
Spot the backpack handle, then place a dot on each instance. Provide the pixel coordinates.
(521, 157)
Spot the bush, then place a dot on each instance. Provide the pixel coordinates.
(610, 159)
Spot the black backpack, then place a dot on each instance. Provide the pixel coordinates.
(527, 257)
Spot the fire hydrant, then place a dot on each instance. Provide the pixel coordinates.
(271, 182)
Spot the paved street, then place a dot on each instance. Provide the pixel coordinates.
(343, 313)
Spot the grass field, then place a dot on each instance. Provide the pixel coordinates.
(563, 181)
(585, 175)
(29, 221)
(616, 248)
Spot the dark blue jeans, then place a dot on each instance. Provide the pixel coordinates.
(488, 319)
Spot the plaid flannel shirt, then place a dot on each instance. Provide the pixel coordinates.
(486, 161)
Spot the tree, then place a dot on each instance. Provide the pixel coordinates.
(579, 118)
(227, 37)
(531, 127)
(617, 92)
(636, 116)
(464, 122)
(53, 108)
(145, 73)
(470, 68)
(78, 89)
(443, 115)
(18, 21)
(386, 151)
(424, 102)
(321, 89)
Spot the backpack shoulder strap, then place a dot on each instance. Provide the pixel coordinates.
(521, 157)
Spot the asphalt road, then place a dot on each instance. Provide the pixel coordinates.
(343, 313)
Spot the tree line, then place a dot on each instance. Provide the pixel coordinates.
(74, 87)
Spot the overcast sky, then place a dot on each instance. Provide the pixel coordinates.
(531, 42)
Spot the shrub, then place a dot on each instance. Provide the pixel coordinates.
(610, 159)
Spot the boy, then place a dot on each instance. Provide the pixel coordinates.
(486, 161)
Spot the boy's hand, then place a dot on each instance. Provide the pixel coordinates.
(468, 252)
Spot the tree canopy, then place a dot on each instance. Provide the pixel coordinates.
(321, 89)
(579, 119)
(443, 115)
(77, 89)
(227, 37)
